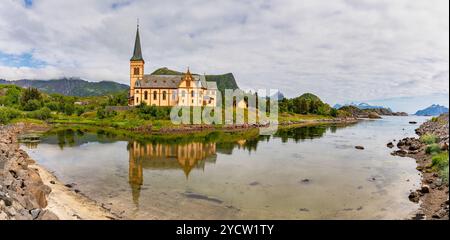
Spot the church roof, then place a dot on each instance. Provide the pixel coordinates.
(159, 81)
(137, 53)
(170, 81)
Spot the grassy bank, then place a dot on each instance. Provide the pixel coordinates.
(439, 158)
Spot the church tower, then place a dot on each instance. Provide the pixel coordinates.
(136, 65)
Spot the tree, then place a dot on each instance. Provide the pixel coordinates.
(304, 106)
(101, 113)
(31, 105)
(69, 109)
(30, 94)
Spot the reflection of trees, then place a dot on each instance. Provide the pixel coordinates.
(307, 132)
(302, 133)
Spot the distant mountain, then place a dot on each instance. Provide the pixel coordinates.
(367, 108)
(165, 71)
(71, 86)
(359, 105)
(224, 81)
(433, 110)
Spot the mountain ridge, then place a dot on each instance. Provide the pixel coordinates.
(433, 110)
(70, 86)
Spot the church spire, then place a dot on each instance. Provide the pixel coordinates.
(137, 54)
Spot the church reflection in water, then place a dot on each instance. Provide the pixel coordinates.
(162, 156)
(187, 156)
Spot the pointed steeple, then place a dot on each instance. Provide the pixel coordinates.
(137, 54)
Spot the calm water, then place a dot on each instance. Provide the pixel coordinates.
(258, 178)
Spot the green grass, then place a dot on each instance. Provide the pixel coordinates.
(440, 164)
(293, 117)
(433, 148)
(27, 120)
(428, 138)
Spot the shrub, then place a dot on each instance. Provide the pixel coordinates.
(54, 106)
(440, 160)
(333, 112)
(7, 114)
(433, 148)
(41, 114)
(30, 94)
(32, 105)
(69, 109)
(152, 112)
(428, 138)
(101, 113)
(440, 163)
(79, 110)
(9, 95)
(118, 99)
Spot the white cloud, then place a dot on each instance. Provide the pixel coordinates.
(340, 50)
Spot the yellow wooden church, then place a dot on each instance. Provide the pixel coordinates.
(167, 90)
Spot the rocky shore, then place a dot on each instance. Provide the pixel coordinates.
(433, 194)
(30, 192)
(23, 195)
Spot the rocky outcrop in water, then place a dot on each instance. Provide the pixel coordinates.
(23, 195)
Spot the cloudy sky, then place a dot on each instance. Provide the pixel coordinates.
(341, 50)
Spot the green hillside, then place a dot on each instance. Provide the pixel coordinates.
(224, 81)
(165, 71)
(71, 86)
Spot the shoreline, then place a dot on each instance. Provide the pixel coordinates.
(200, 128)
(68, 204)
(30, 192)
(432, 196)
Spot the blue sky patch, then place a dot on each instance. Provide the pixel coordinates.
(28, 3)
(20, 60)
(121, 4)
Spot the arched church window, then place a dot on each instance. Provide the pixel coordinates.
(145, 95)
(164, 95)
(136, 71)
(155, 95)
(192, 93)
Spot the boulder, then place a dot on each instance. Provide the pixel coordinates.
(47, 215)
(425, 189)
(374, 115)
(359, 147)
(35, 213)
(414, 197)
(414, 147)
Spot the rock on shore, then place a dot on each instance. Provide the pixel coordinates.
(23, 195)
